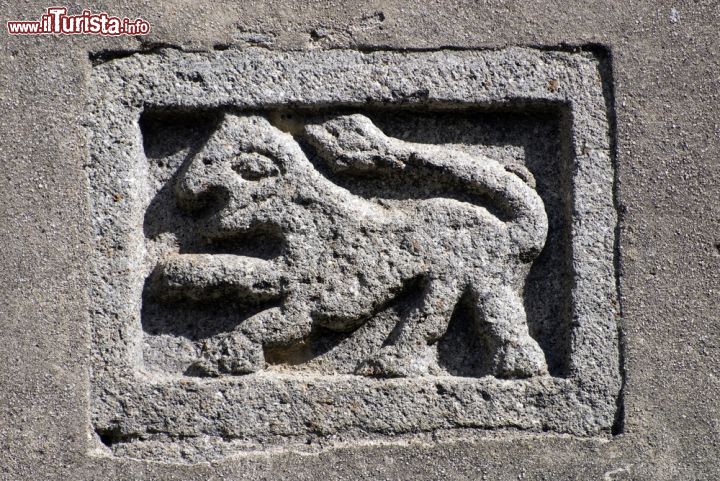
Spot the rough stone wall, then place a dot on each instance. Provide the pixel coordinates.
(362, 241)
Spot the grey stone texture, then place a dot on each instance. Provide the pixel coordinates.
(631, 387)
(291, 278)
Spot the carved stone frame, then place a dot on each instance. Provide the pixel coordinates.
(255, 412)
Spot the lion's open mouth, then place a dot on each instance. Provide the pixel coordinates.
(261, 240)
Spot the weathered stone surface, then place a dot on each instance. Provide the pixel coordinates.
(659, 68)
(264, 248)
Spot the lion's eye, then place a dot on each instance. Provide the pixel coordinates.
(254, 166)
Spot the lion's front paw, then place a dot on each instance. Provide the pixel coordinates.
(233, 354)
(239, 355)
(391, 361)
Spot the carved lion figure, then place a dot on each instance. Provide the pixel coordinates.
(470, 228)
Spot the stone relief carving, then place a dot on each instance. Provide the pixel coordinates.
(297, 249)
(345, 256)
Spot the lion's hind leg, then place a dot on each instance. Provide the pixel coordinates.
(515, 353)
(407, 351)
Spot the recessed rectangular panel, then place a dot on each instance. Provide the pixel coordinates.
(337, 246)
